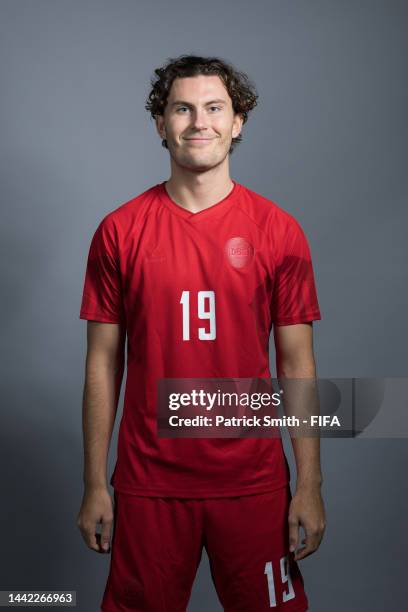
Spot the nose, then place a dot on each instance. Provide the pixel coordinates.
(198, 119)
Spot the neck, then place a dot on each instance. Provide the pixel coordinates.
(196, 191)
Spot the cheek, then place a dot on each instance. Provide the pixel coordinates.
(223, 125)
(179, 128)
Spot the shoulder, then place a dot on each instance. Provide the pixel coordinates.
(269, 215)
(130, 214)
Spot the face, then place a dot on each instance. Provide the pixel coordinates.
(199, 122)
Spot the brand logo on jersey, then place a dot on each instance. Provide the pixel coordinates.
(156, 255)
(239, 252)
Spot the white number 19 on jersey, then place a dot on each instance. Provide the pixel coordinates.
(203, 313)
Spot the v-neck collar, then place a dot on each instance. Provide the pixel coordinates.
(218, 207)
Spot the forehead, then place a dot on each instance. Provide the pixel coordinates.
(198, 88)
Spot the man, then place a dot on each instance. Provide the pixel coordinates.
(195, 271)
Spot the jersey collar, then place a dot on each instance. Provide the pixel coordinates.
(215, 209)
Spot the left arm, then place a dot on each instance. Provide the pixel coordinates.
(295, 359)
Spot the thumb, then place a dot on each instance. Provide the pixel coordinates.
(293, 534)
(106, 534)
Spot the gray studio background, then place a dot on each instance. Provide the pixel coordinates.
(328, 142)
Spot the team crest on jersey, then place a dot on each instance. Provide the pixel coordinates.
(239, 252)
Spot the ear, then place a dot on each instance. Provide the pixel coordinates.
(237, 125)
(160, 126)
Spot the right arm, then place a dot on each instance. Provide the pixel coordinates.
(104, 369)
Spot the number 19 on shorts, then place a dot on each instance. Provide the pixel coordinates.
(285, 578)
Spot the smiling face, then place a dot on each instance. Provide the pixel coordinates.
(199, 122)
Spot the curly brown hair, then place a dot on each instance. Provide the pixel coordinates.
(240, 89)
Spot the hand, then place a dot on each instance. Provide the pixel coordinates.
(306, 509)
(97, 507)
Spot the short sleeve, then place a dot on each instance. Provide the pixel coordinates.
(102, 298)
(294, 297)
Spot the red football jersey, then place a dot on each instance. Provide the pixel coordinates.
(198, 294)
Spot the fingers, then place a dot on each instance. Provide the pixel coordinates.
(106, 535)
(99, 542)
(90, 536)
(311, 542)
(293, 533)
(96, 509)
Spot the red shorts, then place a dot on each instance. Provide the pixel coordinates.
(157, 545)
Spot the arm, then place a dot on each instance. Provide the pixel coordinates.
(295, 359)
(103, 378)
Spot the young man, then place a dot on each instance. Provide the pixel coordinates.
(195, 271)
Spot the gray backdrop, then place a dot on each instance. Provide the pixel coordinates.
(328, 142)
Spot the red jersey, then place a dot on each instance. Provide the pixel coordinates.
(198, 294)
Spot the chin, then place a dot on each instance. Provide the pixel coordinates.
(200, 160)
(196, 162)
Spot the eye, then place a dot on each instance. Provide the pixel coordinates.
(180, 107)
(219, 108)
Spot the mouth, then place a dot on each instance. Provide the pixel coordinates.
(199, 141)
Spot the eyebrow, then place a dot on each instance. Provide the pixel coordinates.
(218, 101)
